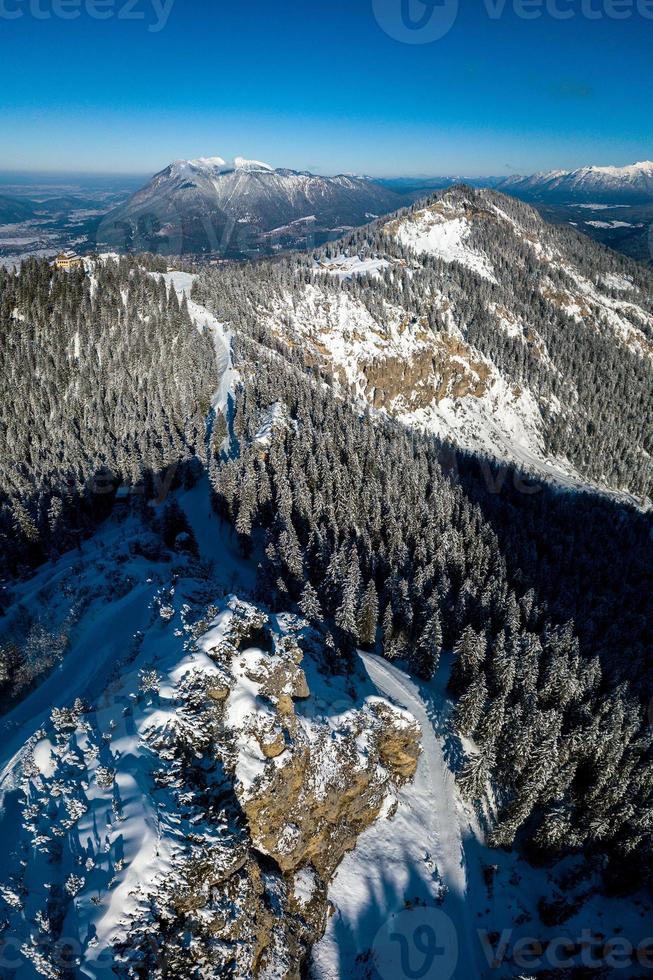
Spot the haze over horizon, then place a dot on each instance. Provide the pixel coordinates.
(56, 176)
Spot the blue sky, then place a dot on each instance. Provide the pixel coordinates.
(323, 86)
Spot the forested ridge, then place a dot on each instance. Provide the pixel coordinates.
(376, 536)
(381, 537)
(592, 386)
(105, 379)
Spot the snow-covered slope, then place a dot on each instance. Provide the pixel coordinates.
(423, 895)
(132, 780)
(209, 205)
(185, 780)
(387, 319)
(413, 859)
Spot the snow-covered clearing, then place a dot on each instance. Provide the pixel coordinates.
(431, 233)
(602, 207)
(613, 224)
(348, 266)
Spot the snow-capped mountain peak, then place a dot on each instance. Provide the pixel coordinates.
(240, 163)
(645, 166)
(218, 165)
(233, 207)
(210, 163)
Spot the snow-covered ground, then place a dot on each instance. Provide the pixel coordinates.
(431, 232)
(422, 895)
(409, 867)
(348, 266)
(613, 224)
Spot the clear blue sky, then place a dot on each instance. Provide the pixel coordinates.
(323, 86)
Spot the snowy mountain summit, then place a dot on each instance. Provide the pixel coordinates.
(240, 207)
(221, 166)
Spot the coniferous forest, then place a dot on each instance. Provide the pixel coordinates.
(532, 601)
(105, 380)
(390, 539)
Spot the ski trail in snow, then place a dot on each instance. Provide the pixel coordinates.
(221, 336)
(433, 775)
(394, 863)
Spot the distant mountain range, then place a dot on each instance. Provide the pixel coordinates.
(246, 208)
(239, 208)
(613, 185)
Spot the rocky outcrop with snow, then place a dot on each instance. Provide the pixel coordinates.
(402, 333)
(187, 818)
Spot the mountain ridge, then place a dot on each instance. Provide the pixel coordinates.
(469, 317)
(633, 183)
(238, 208)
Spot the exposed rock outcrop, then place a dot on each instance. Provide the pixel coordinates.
(311, 769)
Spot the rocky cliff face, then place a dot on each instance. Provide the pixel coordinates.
(312, 768)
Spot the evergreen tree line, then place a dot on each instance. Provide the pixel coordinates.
(105, 379)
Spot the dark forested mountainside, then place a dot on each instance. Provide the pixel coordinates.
(105, 378)
(380, 536)
(362, 526)
(537, 312)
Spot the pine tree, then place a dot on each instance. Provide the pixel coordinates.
(309, 604)
(368, 616)
(469, 708)
(345, 617)
(475, 774)
(469, 654)
(388, 631)
(427, 652)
